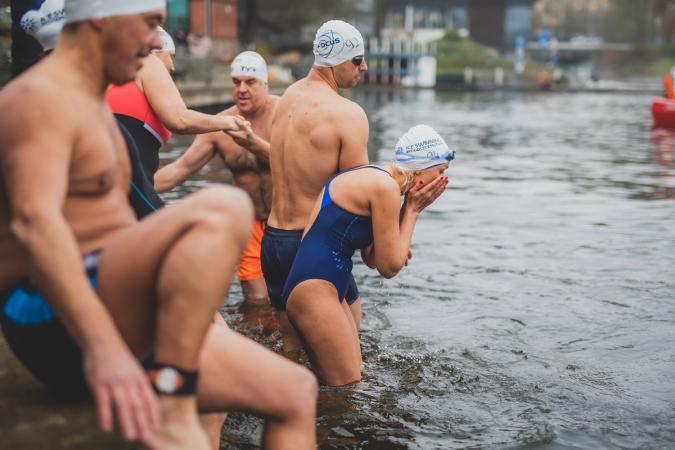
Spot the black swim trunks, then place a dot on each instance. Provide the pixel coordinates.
(277, 253)
(39, 339)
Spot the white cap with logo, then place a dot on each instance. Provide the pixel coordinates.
(421, 147)
(336, 42)
(249, 64)
(45, 24)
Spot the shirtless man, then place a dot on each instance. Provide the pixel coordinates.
(316, 133)
(86, 290)
(246, 153)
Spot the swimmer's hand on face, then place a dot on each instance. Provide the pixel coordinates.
(116, 380)
(420, 196)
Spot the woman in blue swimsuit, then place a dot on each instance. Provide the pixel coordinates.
(359, 209)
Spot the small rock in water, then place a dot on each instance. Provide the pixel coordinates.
(341, 432)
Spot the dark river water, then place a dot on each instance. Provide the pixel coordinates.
(539, 308)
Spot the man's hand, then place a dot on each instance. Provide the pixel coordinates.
(117, 380)
(234, 123)
(244, 134)
(420, 196)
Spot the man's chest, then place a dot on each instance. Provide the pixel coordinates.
(100, 161)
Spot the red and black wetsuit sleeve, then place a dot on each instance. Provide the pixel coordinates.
(142, 196)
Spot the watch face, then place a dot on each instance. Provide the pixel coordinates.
(167, 380)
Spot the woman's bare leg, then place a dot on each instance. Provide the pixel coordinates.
(355, 309)
(328, 331)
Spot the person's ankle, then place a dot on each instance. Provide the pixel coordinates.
(178, 408)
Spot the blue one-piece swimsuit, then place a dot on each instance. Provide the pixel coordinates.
(326, 250)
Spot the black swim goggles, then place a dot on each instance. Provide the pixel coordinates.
(357, 60)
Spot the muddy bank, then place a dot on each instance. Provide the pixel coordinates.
(33, 419)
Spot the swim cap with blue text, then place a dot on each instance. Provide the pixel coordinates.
(421, 147)
(45, 24)
(336, 42)
(249, 64)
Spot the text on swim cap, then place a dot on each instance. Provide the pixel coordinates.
(419, 146)
(29, 23)
(328, 42)
(353, 43)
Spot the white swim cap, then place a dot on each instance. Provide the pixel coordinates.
(336, 42)
(45, 24)
(79, 10)
(249, 64)
(167, 42)
(421, 148)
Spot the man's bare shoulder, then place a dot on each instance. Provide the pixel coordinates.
(350, 108)
(293, 91)
(273, 99)
(231, 111)
(37, 105)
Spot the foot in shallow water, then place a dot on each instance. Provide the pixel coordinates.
(180, 428)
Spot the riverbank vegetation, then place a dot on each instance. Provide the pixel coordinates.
(455, 53)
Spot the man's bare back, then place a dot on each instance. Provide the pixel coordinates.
(315, 134)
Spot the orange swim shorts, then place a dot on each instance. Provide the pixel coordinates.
(249, 264)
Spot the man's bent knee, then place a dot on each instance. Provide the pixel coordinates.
(305, 390)
(229, 206)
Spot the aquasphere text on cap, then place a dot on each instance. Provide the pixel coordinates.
(249, 64)
(79, 10)
(421, 147)
(45, 24)
(336, 42)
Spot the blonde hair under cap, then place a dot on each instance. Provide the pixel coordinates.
(79, 10)
(336, 42)
(421, 147)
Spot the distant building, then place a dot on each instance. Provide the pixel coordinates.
(216, 19)
(571, 18)
(496, 23)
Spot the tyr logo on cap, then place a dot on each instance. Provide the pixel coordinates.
(329, 43)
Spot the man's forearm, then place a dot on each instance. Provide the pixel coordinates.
(194, 122)
(260, 147)
(167, 178)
